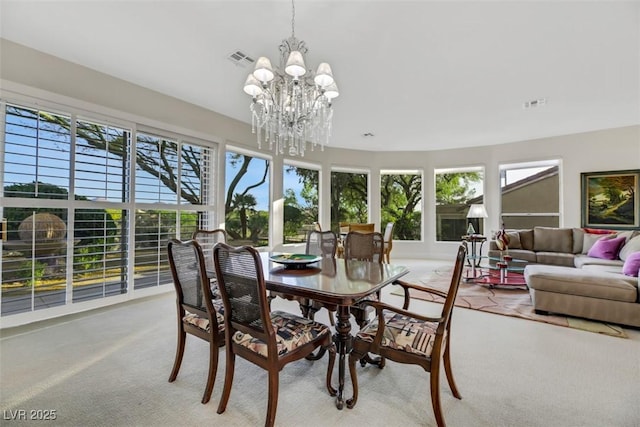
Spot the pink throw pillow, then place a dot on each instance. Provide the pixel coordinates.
(632, 265)
(606, 248)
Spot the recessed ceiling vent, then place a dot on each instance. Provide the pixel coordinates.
(240, 58)
(534, 103)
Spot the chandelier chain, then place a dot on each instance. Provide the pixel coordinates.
(293, 19)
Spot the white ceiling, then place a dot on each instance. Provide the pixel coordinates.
(419, 75)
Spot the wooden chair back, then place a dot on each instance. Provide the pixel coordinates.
(364, 246)
(388, 240)
(362, 228)
(197, 312)
(323, 243)
(207, 240)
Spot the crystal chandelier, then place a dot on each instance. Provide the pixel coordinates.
(290, 104)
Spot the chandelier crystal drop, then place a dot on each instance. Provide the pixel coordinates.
(291, 105)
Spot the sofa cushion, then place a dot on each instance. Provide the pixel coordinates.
(580, 261)
(632, 265)
(633, 245)
(573, 281)
(578, 239)
(606, 248)
(514, 240)
(551, 239)
(526, 239)
(555, 258)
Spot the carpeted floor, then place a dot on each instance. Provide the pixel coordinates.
(514, 302)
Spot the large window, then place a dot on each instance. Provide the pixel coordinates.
(300, 186)
(349, 195)
(530, 194)
(456, 190)
(401, 203)
(247, 200)
(70, 206)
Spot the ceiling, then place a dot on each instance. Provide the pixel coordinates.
(418, 75)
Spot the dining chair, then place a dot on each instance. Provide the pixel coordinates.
(388, 241)
(343, 229)
(410, 338)
(364, 247)
(324, 244)
(207, 240)
(268, 339)
(199, 313)
(362, 228)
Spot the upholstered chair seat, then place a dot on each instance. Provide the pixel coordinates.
(291, 332)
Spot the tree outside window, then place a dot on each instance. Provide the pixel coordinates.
(247, 199)
(401, 203)
(349, 194)
(300, 202)
(456, 190)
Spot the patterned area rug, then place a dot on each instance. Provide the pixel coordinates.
(514, 302)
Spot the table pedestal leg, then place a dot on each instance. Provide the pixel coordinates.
(342, 339)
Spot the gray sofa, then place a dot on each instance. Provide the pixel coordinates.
(562, 278)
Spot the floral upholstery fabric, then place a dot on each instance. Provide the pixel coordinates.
(402, 333)
(203, 322)
(291, 332)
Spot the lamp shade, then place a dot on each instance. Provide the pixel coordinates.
(331, 91)
(252, 86)
(477, 211)
(263, 70)
(295, 64)
(324, 76)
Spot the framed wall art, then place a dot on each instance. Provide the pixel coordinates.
(610, 199)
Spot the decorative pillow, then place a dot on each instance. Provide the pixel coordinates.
(632, 265)
(633, 245)
(598, 231)
(606, 248)
(589, 239)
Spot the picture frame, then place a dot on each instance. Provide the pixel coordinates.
(610, 199)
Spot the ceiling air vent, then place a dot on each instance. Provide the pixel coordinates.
(534, 103)
(240, 58)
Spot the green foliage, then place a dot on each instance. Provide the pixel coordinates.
(455, 188)
(348, 198)
(400, 197)
(31, 271)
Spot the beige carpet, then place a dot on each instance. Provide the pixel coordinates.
(514, 302)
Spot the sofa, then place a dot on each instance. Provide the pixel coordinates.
(579, 272)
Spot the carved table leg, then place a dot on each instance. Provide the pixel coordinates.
(342, 340)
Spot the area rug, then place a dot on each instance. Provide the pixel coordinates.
(514, 302)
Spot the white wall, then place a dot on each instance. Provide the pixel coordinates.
(26, 72)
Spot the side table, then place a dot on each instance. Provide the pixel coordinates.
(474, 256)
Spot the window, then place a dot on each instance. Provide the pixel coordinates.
(247, 199)
(401, 203)
(171, 178)
(300, 186)
(456, 190)
(349, 195)
(530, 194)
(101, 162)
(70, 207)
(37, 153)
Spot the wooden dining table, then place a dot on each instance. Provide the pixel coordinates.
(336, 283)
